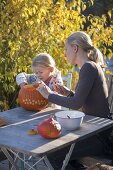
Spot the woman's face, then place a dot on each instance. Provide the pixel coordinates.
(70, 53)
(42, 72)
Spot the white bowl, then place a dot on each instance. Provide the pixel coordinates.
(71, 120)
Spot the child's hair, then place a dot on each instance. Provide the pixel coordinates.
(43, 59)
(84, 41)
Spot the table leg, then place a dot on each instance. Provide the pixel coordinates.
(68, 155)
(22, 159)
(22, 164)
(47, 162)
(27, 163)
(4, 150)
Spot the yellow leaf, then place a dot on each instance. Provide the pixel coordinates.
(109, 13)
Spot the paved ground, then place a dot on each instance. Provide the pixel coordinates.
(4, 165)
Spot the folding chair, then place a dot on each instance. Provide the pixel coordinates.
(110, 92)
(67, 82)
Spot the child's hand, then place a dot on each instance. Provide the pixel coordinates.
(37, 83)
(22, 84)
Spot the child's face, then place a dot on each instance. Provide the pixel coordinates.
(43, 72)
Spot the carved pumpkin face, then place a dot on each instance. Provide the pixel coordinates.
(30, 99)
(49, 128)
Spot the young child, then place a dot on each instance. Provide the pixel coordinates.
(44, 69)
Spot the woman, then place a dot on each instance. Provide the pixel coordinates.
(91, 93)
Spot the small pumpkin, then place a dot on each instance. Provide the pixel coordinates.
(30, 99)
(49, 128)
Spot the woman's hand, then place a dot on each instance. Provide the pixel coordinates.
(61, 89)
(44, 90)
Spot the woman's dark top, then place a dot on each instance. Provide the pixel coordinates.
(91, 92)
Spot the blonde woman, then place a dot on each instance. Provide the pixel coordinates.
(91, 93)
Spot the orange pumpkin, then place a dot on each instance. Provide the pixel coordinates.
(49, 128)
(30, 99)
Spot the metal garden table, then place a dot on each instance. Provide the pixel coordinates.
(14, 136)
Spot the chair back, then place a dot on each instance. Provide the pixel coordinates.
(67, 80)
(110, 92)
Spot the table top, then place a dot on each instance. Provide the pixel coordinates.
(15, 134)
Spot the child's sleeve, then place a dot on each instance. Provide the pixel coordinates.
(25, 78)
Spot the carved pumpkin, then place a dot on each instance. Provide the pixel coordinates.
(49, 128)
(30, 99)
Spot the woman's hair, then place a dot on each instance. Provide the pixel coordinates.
(84, 41)
(43, 59)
